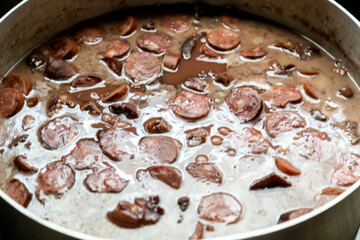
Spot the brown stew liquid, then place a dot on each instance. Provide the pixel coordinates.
(198, 124)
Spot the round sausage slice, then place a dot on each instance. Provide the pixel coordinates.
(116, 145)
(190, 105)
(220, 207)
(142, 67)
(60, 132)
(284, 121)
(128, 27)
(19, 192)
(223, 39)
(245, 103)
(106, 180)
(65, 48)
(116, 49)
(160, 149)
(282, 95)
(55, 179)
(20, 82)
(206, 172)
(169, 175)
(253, 53)
(90, 35)
(11, 101)
(347, 172)
(86, 153)
(176, 23)
(231, 22)
(157, 42)
(58, 69)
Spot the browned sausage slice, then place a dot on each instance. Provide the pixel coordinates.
(86, 153)
(20, 82)
(58, 69)
(142, 67)
(115, 49)
(220, 207)
(11, 101)
(347, 172)
(171, 60)
(176, 23)
(206, 172)
(160, 149)
(231, 22)
(269, 181)
(282, 95)
(65, 48)
(60, 132)
(157, 42)
(86, 81)
(223, 39)
(168, 175)
(55, 179)
(198, 233)
(90, 35)
(205, 51)
(106, 180)
(156, 125)
(332, 191)
(116, 95)
(114, 65)
(196, 84)
(310, 90)
(22, 164)
(191, 105)
(253, 53)
(128, 27)
(293, 214)
(286, 167)
(250, 140)
(245, 103)
(19, 192)
(284, 121)
(115, 144)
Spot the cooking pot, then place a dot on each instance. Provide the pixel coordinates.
(32, 22)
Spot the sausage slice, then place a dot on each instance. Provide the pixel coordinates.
(65, 48)
(282, 95)
(58, 69)
(142, 67)
(22, 163)
(249, 140)
(191, 105)
(269, 181)
(293, 214)
(171, 60)
(169, 175)
(284, 121)
(245, 103)
(19, 192)
(90, 35)
(176, 23)
(128, 26)
(115, 49)
(11, 101)
(231, 22)
(206, 172)
(286, 167)
(253, 53)
(156, 125)
(20, 82)
(198, 232)
(220, 207)
(86, 81)
(160, 149)
(157, 42)
(223, 39)
(347, 172)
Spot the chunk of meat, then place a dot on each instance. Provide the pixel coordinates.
(32, 102)
(156, 125)
(205, 51)
(220, 207)
(27, 122)
(65, 48)
(21, 162)
(249, 140)
(347, 171)
(282, 95)
(205, 172)
(310, 90)
(216, 140)
(20, 82)
(231, 22)
(245, 103)
(106, 180)
(196, 137)
(152, 211)
(224, 79)
(116, 145)
(59, 132)
(160, 149)
(278, 70)
(198, 232)
(286, 167)
(157, 42)
(114, 65)
(171, 60)
(89, 35)
(92, 108)
(332, 191)
(36, 60)
(11, 102)
(269, 181)
(58, 69)
(130, 110)
(344, 91)
(223, 39)
(176, 23)
(284, 121)
(191, 105)
(148, 26)
(117, 94)
(224, 131)
(169, 175)
(318, 115)
(115, 49)
(183, 203)
(86, 81)
(55, 104)
(86, 153)
(196, 84)
(142, 67)
(293, 214)
(312, 144)
(308, 73)
(55, 178)
(19, 192)
(128, 26)
(253, 53)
